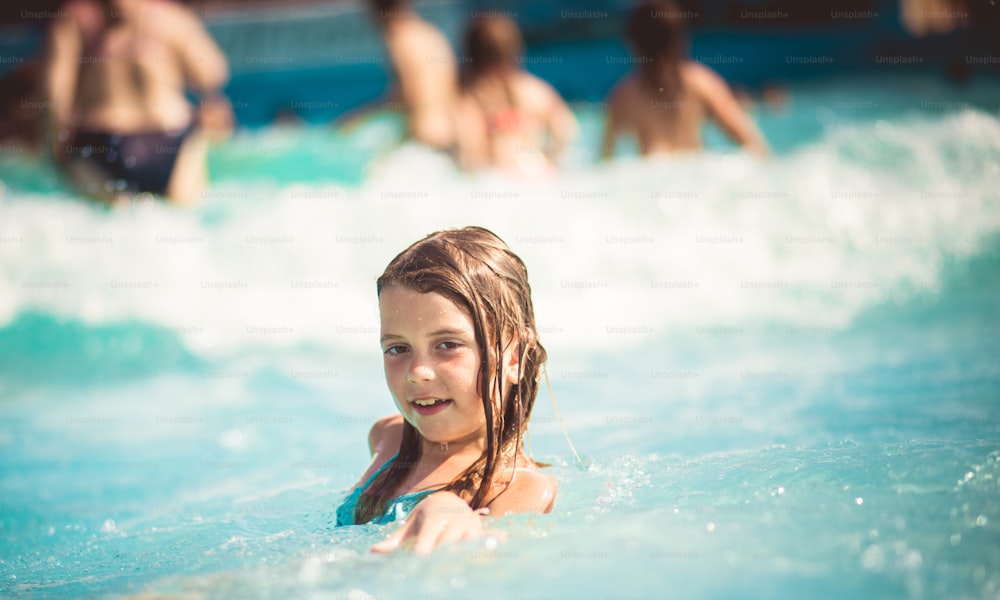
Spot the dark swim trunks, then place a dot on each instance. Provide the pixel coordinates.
(137, 162)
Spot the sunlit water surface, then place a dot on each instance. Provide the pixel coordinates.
(781, 375)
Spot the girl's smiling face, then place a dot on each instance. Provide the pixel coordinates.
(432, 365)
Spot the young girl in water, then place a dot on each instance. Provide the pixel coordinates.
(462, 361)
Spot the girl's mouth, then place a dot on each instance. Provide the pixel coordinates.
(430, 406)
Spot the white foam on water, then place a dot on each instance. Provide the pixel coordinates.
(617, 253)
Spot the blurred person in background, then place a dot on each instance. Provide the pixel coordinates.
(509, 119)
(21, 110)
(667, 97)
(426, 75)
(926, 17)
(115, 77)
(980, 43)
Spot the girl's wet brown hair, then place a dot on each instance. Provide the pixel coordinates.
(477, 271)
(657, 31)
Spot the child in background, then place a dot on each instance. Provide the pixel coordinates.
(509, 118)
(462, 361)
(668, 97)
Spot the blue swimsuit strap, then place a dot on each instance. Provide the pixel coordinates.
(396, 499)
(384, 466)
(345, 512)
(403, 496)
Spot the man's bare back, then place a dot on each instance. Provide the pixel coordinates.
(663, 126)
(132, 75)
(667, 97)
(122, 68)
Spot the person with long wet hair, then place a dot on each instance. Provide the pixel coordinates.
(115, 79)
(667, 97)
(510, 119)
(462, 361)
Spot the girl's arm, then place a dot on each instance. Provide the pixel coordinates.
(440, 518)
(444, 517)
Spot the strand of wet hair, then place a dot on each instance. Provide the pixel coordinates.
(559, 418)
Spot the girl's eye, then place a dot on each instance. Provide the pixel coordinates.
(394, 350)
(448, 345)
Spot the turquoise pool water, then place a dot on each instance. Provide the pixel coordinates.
(782, 376)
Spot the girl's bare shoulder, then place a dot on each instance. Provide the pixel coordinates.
(386, 434)
(528, 490)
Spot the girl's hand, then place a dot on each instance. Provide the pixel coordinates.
(439, 518)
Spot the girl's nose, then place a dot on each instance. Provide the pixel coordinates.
(420, 370)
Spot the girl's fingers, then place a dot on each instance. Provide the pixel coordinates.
(434, 522)
(429, 535)
(385, 546)
(455, 533)
(391, 543)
